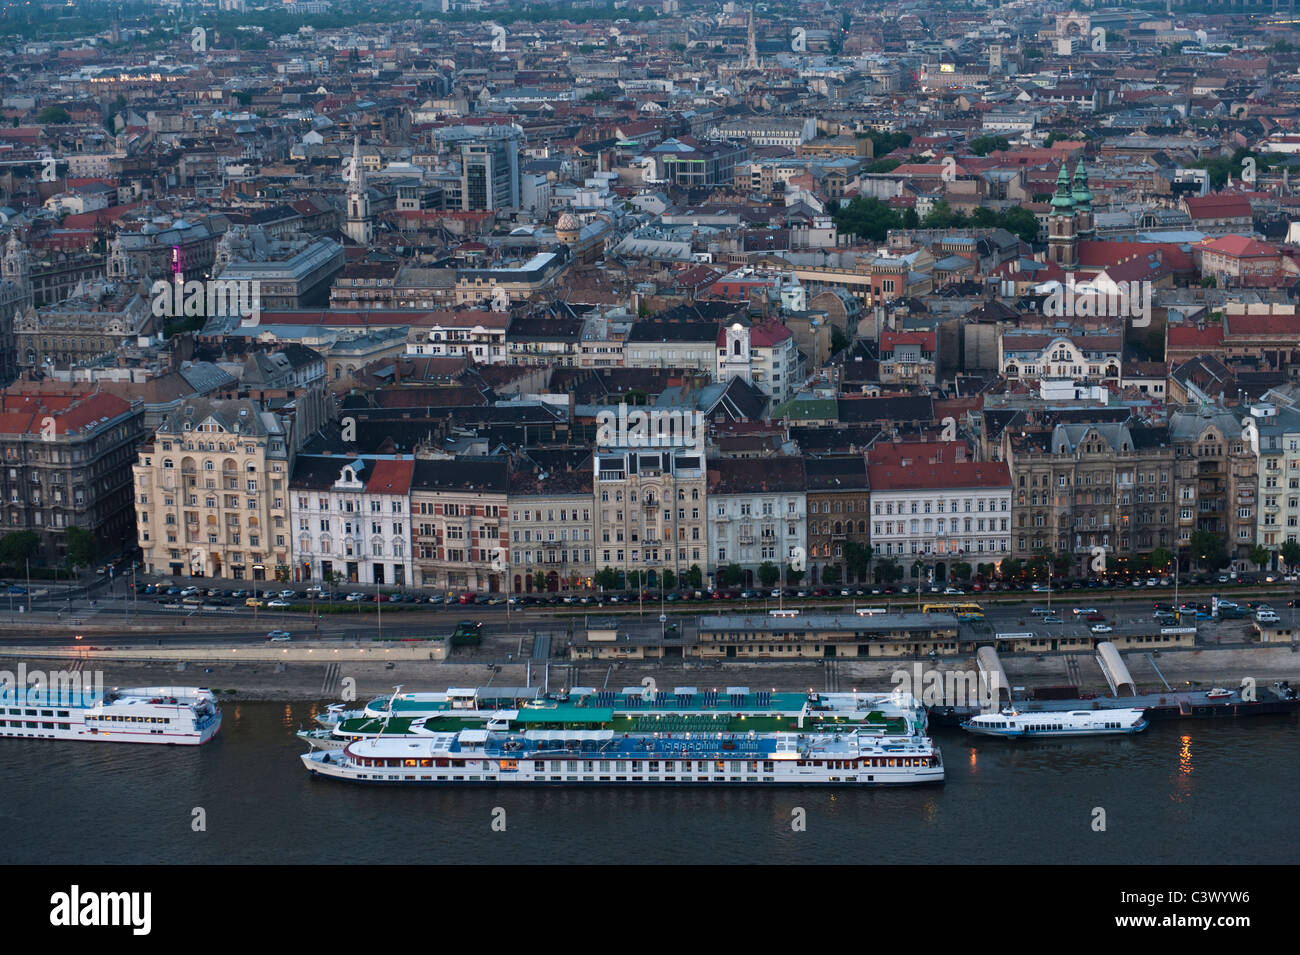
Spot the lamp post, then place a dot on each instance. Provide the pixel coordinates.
(256, 601)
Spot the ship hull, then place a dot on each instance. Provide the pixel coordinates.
(918, 777)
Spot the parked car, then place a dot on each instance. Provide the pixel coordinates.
(1164, 615)
(1266, 616)
(279, 603)
(1095, 617)
(189, 591)
(1101, 628)
(953, 590)
(279, 635)
(254, 602)
(1052, 618)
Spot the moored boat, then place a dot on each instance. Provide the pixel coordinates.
(1014, 723)
(736, 738)
(176, 715)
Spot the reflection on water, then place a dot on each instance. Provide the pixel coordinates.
(1007, 801)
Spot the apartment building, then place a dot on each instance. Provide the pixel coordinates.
(940, 511)
(757, 513)
(460, 510)
(1278, 494)
(650, 510)
(212, 493)
(839, 500)
(351, 520)
(67, 463)
(1082, 485)
(1216, 477)
(552, 527)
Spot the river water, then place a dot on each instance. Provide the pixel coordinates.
(1199, 792)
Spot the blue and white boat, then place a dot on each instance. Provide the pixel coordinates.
(731, 738)
(1065, 723)
(175, 715)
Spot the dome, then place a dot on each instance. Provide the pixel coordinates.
(567, 223)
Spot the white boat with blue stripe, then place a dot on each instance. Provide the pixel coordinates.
(1069, 723)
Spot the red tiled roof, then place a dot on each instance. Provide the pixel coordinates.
(1262, 325)
(1239, 246)
(1189, 336)
(391, 477)
(924, 476)
(1217, 206)
(889, 340)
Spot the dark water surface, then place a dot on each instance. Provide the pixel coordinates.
(1197, 792)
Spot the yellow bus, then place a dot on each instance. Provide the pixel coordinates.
(960, 611)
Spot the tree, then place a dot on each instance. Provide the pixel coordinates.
(1010, 568)
(888, 570)
(54, 114)
(793, 576)
(768, 573)
(830, 574)
(695, 577)
(866, 216)
(1260, 556)
(539, 581)
(19, 546)
(857, 558)
(1037, 566)
(961, 570)
(634, 579)
(1208, 548)
(910, 219)
(983, 145)
(917, 567)
(1161, 558)
(607, 578)
(731, 575)
(1291, 553)
(81, 547)
(669, 580)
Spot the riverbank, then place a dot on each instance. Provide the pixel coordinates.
(328, 681)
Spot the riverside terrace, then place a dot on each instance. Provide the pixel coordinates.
(786, 636)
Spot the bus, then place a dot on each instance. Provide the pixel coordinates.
(964, 612)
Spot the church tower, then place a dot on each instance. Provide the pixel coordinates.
(1082, 197)
(16, 265)
(359, 227)
(1062, 235)
(752, 44)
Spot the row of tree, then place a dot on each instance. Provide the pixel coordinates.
(1207, 547)
(868, 217)
(19, 547)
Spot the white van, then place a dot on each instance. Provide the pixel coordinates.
(1266, 616)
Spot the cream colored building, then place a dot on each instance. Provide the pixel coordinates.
(212, 493)
(651, 511)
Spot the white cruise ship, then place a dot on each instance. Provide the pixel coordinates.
(175, 715)
(722, 738)
(1065, 723)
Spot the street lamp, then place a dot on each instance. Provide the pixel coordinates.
(256, 602)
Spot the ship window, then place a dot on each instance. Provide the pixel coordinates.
(63, 712)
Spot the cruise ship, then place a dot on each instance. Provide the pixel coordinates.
(1066, 723)
(422, 715)
(175, 715)
(731, 738)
